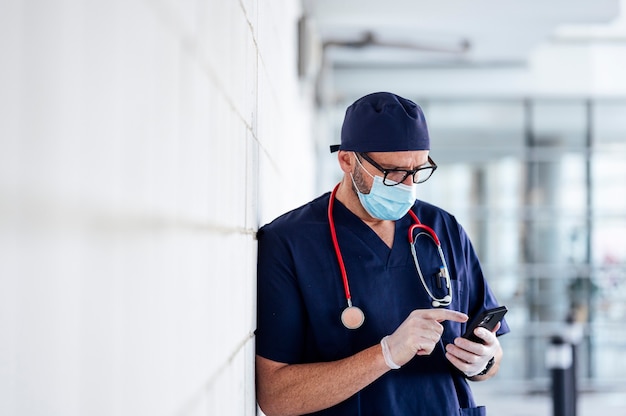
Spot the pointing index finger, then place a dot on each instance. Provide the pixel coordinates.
(448, 315)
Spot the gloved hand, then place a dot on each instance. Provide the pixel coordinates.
(472, 357)
(419, 333)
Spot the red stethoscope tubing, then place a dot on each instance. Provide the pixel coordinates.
(333, 234)
(426, 228)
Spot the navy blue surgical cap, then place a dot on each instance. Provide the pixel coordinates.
(383, 122)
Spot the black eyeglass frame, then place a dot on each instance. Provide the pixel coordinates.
(413, 172)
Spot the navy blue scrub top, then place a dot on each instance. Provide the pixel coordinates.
(301, 297)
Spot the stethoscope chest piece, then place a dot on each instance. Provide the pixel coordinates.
(352, 317)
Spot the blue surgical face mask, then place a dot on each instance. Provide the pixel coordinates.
(386, 202)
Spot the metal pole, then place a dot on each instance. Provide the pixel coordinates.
(559, 361)
(574, 336)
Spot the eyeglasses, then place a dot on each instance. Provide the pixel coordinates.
(392, 177)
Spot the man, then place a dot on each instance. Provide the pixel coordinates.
(351, 321)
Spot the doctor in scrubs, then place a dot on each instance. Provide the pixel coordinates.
(364, 292)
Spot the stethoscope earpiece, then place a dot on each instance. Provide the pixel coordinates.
(445, 301)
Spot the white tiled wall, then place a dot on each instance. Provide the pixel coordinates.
(142, 143)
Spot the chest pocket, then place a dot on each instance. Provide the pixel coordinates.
(474, 411)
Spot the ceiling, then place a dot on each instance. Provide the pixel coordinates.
(494, 31)
(364, 41)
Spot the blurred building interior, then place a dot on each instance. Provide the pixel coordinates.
(144, 142)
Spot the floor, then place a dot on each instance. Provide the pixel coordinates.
(504, 400)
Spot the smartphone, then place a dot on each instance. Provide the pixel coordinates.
(488, 319)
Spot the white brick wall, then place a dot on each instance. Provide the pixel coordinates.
(142, 143)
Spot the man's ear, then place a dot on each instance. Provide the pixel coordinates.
(346, 161)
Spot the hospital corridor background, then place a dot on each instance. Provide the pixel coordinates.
(144, 142)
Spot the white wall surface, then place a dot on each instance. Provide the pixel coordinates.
(142, 143)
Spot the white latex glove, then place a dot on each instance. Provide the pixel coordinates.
(472, 357)
(419, 333)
